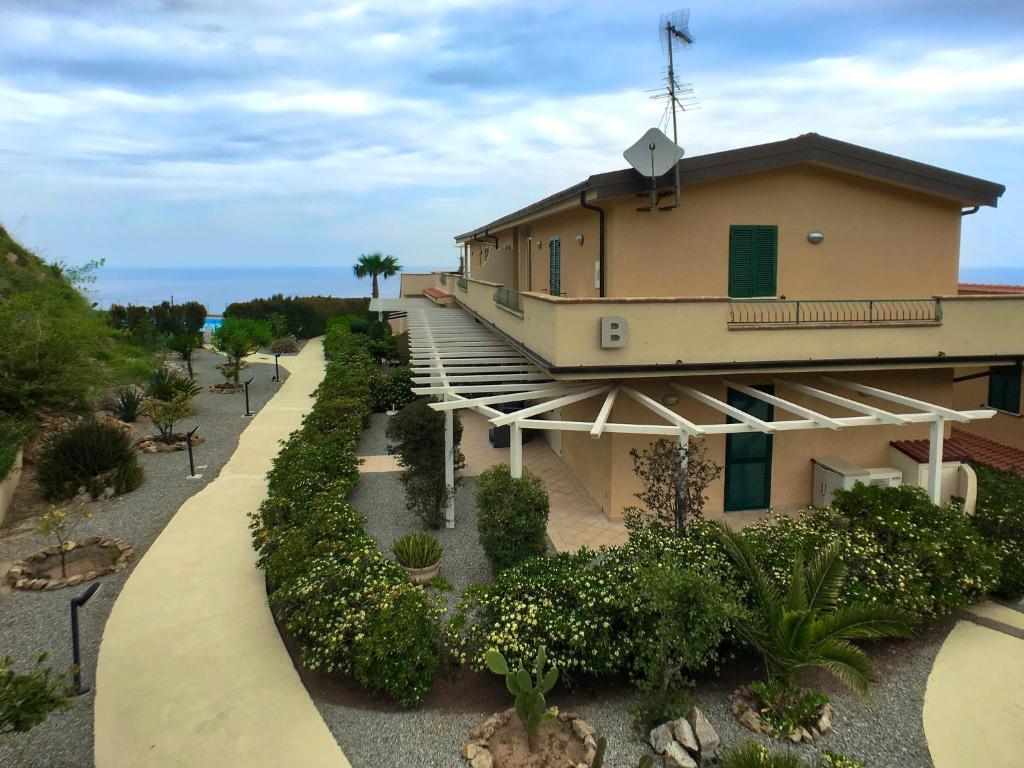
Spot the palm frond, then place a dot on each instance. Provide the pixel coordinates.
(826, 574)
(796, 596)
(767, 597)
(862, 621)
(844, 660)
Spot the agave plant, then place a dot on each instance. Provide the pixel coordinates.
(417, 550)
(807, 626)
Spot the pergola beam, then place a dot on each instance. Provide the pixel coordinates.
(843, 402)
(604, 413)
(799, 410)
(506, 398)
(666, 413)
(549, 405)
(884, 394)
(723, 407)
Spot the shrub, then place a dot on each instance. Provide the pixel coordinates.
(27, 699)
(417, 550)
(185, 344)
(999, 518)
(417, 436)
(90, 454)
(512, 516)
(126, 403)
(675, 479)
(237, 338)
(165, 414)
(391, 389)
(284, 345)
(167, 384)
(753, 754)
(12, 436)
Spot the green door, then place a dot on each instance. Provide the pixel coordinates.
(753, 261)
(555, 253)
(1004, 388)
(748, 457)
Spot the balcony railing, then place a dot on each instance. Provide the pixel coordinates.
(509, 299)
(444, 279)
(463, 284)
(834, 312)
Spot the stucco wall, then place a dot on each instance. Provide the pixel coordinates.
(881, 241)
(1006, 428)
(606, 470)
(413, 283)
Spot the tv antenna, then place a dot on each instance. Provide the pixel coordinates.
(674, 31)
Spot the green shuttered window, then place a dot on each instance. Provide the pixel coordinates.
(753, 260)
(1004, 389)
(555, 253)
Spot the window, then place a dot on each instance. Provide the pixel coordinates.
(1004, 389)
(753, 259)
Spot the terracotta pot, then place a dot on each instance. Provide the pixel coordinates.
(423, 575)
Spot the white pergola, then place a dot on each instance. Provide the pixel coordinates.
(464, 365)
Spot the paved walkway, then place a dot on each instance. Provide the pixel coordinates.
(575, 519)
(973, 710)
(192, 670)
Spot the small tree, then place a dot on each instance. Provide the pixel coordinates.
(417, 435)
(675, 480)
(185, 344)
(166, 413)
(376, 265)
(55, 524)
(237, 338)
(26, 700)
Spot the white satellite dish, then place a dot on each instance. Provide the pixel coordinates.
(654, 155)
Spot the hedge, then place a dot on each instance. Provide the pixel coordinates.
(999, 518)
(351, 609)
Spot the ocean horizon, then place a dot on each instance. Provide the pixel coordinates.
(216, 287)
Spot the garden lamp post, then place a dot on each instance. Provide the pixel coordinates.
(191, 457)
(76, 653)
(247, 383)
(277, 370)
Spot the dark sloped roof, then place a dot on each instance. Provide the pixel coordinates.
(807, 148)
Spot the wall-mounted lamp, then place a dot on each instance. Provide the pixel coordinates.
(670, 400)
(815, 237)
(579, 239)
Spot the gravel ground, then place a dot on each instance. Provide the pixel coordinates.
(35, 622)
(884, 731)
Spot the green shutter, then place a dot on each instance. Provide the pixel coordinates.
(555, 254)
(753, 261)
(748, 457)
(1004, 388)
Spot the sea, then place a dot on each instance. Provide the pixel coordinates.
(216, 287)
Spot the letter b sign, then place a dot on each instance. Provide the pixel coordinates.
(614, 332)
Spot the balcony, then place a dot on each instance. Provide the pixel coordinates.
(721, 334)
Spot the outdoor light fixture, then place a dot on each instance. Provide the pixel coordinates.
(579, 239)
(670, 400)
(815, 237)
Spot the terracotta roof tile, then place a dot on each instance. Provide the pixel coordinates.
(988, 288)
(965, 446)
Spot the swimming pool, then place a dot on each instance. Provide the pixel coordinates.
(213, 323)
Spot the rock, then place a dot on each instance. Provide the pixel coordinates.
(794, 736)
(38, 584)
(750, 719)
(707, 736)
(21, 584)
(675, 755)
(683, 732)
(660, 738)
(470, 750)
(825, 721)
(483, 759)
(582, 729)
(805, 735)
(108, 493)
(74, 581)
(15, 573)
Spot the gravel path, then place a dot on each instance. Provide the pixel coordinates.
(35, 622)
(884, 731)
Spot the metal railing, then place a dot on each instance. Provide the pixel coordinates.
(444, 279)
(508, 298)
(834, 311)
(463, 284)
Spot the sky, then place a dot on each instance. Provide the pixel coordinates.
(271, 132)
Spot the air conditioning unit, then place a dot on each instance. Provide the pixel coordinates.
(832, 474)
(885, 477)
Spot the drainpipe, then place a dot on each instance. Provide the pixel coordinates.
(493, 237)
(600, 241)
(970, 211)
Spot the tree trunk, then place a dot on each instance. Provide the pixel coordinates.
(376, 287)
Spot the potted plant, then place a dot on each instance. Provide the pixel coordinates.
(420, 555)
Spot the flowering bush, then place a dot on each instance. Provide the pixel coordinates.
(352, 610)
(999, 518)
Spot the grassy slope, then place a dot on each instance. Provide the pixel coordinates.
(20, 269)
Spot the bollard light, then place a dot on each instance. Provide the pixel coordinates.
(191, 458)
(277, 371)
(247, 383)
(76, 654)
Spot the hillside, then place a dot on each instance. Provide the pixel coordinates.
(20, 269)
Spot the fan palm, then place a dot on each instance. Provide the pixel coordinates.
(807, 626)
(376, 265)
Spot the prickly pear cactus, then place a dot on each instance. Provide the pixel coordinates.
(529, 690)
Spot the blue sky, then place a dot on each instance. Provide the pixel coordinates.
(271, 132)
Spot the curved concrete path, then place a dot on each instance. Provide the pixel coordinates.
(192, 670)
(973, 705)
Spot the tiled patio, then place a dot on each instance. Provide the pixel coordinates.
(576, 519)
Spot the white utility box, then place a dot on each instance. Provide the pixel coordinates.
(831, 474)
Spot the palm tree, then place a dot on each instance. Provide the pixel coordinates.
(807, 627)
(376, 265)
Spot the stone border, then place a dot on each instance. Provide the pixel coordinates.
(221, 389)
(477, 755)
(153, 444)
(687, 742)
(744, 704)
(18, 578)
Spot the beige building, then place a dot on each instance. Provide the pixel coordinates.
(798, 312)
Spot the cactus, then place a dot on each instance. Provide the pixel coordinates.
(602, 744)
(531, 708)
